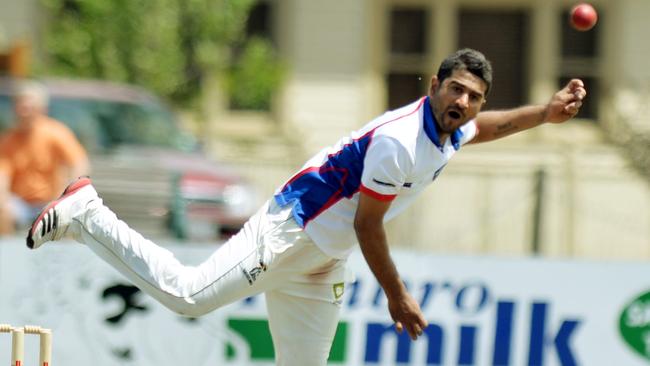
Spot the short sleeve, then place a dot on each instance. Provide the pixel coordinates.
(469, 130)
(6, 167)
(69, 147)
(385, 168)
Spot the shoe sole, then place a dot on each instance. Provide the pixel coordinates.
(69, 190)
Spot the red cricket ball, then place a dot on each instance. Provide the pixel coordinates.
(583, 17)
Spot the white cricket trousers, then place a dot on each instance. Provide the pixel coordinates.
(271, 254)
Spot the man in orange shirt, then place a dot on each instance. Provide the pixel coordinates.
(38, 157)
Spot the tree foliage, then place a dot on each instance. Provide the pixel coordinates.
(252, 80)
(168, 46)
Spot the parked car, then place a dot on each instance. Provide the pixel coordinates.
(147, 169)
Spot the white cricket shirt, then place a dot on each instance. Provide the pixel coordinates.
(393, 158)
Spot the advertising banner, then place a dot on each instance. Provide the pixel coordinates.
(481, 311)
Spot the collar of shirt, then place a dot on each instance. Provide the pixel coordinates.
(431, 128)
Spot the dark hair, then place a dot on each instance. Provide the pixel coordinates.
(470, 60)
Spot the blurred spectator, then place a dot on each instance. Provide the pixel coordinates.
(38, 157)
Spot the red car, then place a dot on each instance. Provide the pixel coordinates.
(146, 168)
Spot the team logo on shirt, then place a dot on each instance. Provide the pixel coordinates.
(252, 275)
(338, 289)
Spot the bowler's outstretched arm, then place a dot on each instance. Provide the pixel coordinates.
(369, 227)
(563, 105)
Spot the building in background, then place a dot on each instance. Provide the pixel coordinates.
(566, 190)
(569, 190)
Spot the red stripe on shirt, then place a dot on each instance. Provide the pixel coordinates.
(375, 195)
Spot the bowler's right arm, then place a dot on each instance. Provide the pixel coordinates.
(369, 228)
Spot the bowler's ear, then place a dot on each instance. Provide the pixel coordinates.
(434, 84)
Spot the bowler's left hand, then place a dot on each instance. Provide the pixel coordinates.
(566, 103)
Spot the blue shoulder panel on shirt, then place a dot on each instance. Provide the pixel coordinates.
(313, 190)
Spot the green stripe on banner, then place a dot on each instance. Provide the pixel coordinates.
(256, 333)
(337, 353)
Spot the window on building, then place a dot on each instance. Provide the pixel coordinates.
(255, 71)
(404, 89)
(408, 27)
(502, 36)
(408, 30)
(259, 21)
(258, 25)
(579, 59)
